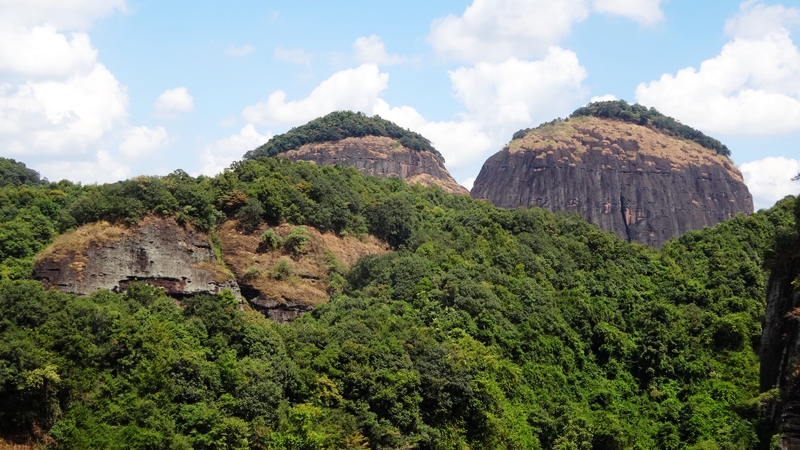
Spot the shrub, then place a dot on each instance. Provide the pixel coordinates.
(271, 239)
(281, 271)
(296, 243)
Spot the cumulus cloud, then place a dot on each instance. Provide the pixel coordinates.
(44, 52)
(372, 50)
(460, 142)
(143, 141)
(55, 117)
(244, 50)
(103, 169)
(172, 103)
(468, 183)
(770, 179)
(219, 155)
(646, 12)
(293, 55)
(354, 89)
(603, 98)
(517, 92)
(495, 30)
(751, 88)
(64, 15)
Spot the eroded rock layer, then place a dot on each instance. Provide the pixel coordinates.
(158, 251)
(282, 285)
(381, 157)
(637, 182)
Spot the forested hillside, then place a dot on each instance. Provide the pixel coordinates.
(485, 328)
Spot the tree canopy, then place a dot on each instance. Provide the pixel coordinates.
(485, 328)
(340, 125)
(641, 115)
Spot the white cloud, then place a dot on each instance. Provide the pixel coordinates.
(751, 88)
(44, 52)
(468, 183)
(293, 55)
(770, 179)
(354, 89)
(646, 12)
(219, 155)
(64, 15)
(141, 142)
(372, 50)
(61, 116)
(172, 103)
(756, 20)
(244, 50)
(104, 169)
(603, 98)
(496, 30)
(517, 92)
(460, 142)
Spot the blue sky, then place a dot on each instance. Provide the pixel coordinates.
(99, 90)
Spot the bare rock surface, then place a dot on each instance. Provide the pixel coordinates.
(381, 157)
(158, 252)
(780, 353)
(284, 286)
(640, 183)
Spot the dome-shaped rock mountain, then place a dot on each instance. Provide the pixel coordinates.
(372, 145)
(647, 183)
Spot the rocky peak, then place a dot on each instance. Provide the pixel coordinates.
(637, 181)
(374, 146)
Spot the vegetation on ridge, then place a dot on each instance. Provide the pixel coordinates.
(487, 328)
(340, 125)
(641, 115)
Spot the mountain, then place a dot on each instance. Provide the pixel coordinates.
(628, 169)
(780, 341)
(372, 145)
(458, 325)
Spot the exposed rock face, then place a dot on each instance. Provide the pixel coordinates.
(282, 286)
(780, 352)
(640, 183)
(158, 252)
(381, 157)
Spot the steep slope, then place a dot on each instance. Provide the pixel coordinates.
(374, 146)
(780, 342)
(284, 283)
(157, 251)
(637, 181)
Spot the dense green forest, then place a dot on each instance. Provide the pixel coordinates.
(485, 329)
(340, 125)
(640, 115)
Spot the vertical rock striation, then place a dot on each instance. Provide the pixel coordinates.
(158, 252)
(642, 184)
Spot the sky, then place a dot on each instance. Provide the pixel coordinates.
(97, 91)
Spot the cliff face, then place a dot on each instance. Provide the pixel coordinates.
(780, 352)
(381, 157)
(642, 184)
(158, 252)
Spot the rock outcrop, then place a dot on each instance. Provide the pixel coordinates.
(381, 157)
(158, 252)
(282, 285)
(638, 182)
(780, 348)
